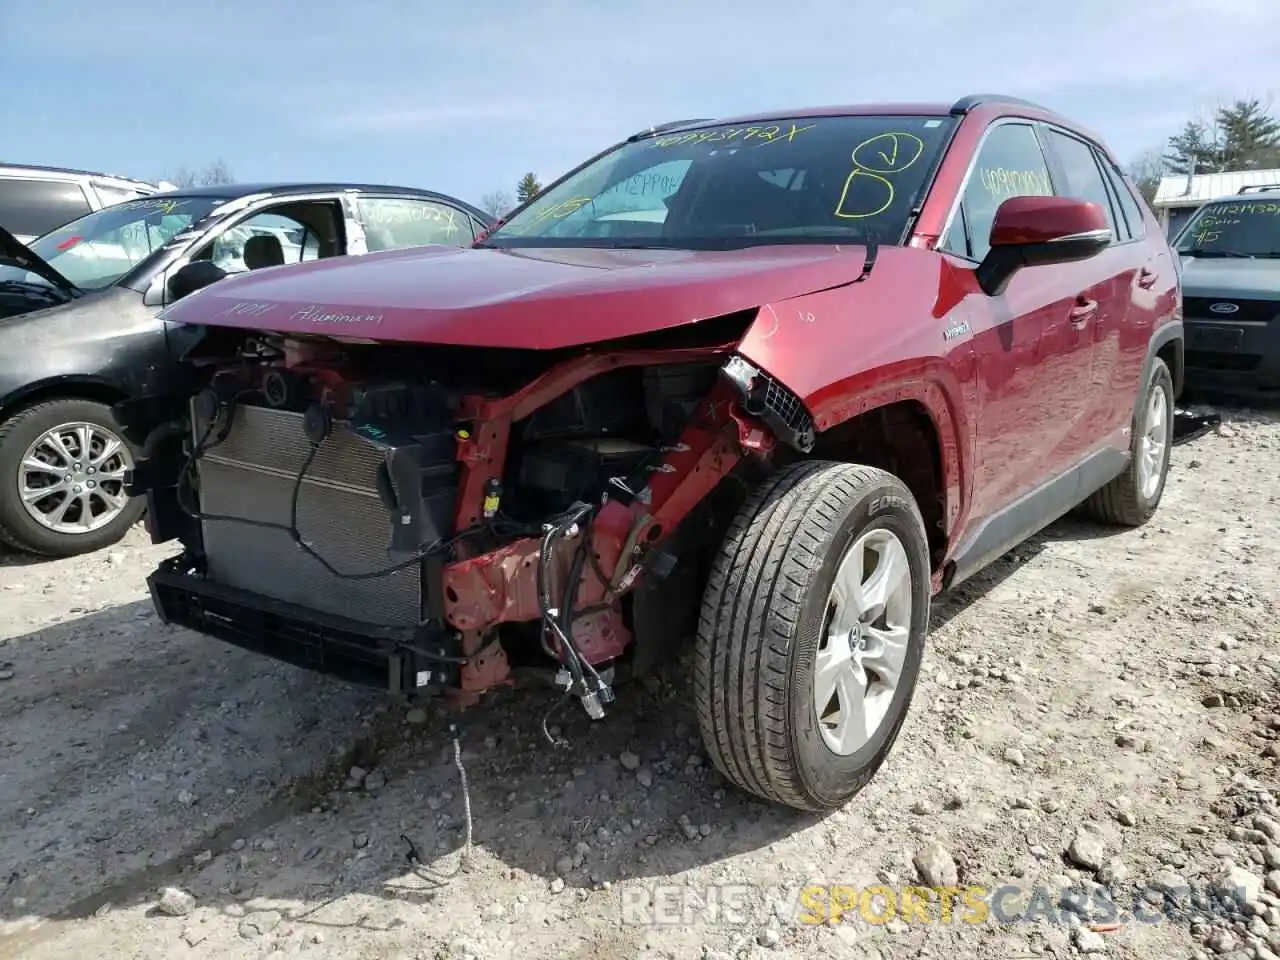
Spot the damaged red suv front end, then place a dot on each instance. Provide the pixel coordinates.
(446, 516)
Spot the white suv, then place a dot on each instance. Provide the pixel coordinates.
(35, 200)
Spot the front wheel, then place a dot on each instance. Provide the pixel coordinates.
(812, 628)
(62, 469)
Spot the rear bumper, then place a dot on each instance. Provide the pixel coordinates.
(1240, 360)
(395, 659)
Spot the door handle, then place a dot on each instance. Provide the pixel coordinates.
(1082, 311)
(1147, 278)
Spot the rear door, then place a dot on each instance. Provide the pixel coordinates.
(1106, 314)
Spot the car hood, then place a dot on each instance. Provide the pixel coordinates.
(529, 298)
(1231, 278)
(11, 248)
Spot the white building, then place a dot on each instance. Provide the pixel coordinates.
(1178, 196)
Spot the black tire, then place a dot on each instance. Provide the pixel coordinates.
(1122, 501)
(18, 528)
(762, 623)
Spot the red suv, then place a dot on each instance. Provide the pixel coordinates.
(763, 386)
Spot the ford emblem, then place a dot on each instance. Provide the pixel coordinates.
(1223, 307)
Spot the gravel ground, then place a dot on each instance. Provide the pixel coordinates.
(1096, 707)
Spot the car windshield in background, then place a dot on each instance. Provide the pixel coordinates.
(1236, 228)
(96, 250)
(844, 179)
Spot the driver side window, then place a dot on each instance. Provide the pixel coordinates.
(1010, 163)
(264, 240)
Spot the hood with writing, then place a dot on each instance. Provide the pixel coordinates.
(537, 299)
(1231, 278)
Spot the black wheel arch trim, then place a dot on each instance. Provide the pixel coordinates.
(1171, 332)
(17, 394)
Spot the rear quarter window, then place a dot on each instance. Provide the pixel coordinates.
(34, 207)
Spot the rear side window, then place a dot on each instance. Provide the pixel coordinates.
(1083, 178)
(1128, 202)
(109, 193)
(391, 223)
(31, 208)
(1010, 163)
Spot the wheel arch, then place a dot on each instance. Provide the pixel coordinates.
(96, 389)
(904, 437)
(1171, 348)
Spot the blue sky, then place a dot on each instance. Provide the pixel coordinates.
(465, 100)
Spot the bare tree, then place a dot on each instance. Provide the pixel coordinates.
(497, 202)
(1145, 172)
(212, 175)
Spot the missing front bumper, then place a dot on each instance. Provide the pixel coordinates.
(422, 659)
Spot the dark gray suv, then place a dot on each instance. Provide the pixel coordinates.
(1230, 255)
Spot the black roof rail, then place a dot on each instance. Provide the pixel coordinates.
(965, 104)
(1259, 188)
(664, 127)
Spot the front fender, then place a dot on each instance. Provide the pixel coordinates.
(899, 334)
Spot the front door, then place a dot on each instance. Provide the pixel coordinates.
(287, 232)
(1032, 343)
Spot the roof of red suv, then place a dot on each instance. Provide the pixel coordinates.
(997, 104)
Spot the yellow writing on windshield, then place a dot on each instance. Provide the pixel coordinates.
(164, 205)
(888, 152)
(773, 133)
(868, 191)
(1003, 183)
(561, 210)
(1251, 208)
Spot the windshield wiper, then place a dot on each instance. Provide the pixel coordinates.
(1200, 252)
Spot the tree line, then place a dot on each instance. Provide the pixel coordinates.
(1242, 136)
(213, 175)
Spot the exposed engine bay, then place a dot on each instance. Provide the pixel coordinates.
(430, 519)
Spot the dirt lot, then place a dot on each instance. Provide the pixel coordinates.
(1097, 706)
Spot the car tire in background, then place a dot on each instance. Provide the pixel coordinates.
(812, 628)
(62, 466)
(1132, 498)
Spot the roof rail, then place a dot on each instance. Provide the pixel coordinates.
(664, 127)
(965, 104)
(1259, 188)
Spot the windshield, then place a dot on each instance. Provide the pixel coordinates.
(96, 250)
(1235, 228)
(812, 180)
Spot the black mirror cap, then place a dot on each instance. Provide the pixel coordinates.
(194, 276)
(1002, 262)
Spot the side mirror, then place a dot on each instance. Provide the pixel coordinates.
(192, 277)
(1034, 231)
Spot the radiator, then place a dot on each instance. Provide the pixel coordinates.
(251, 474)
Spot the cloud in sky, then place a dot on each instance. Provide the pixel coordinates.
(468, 99)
